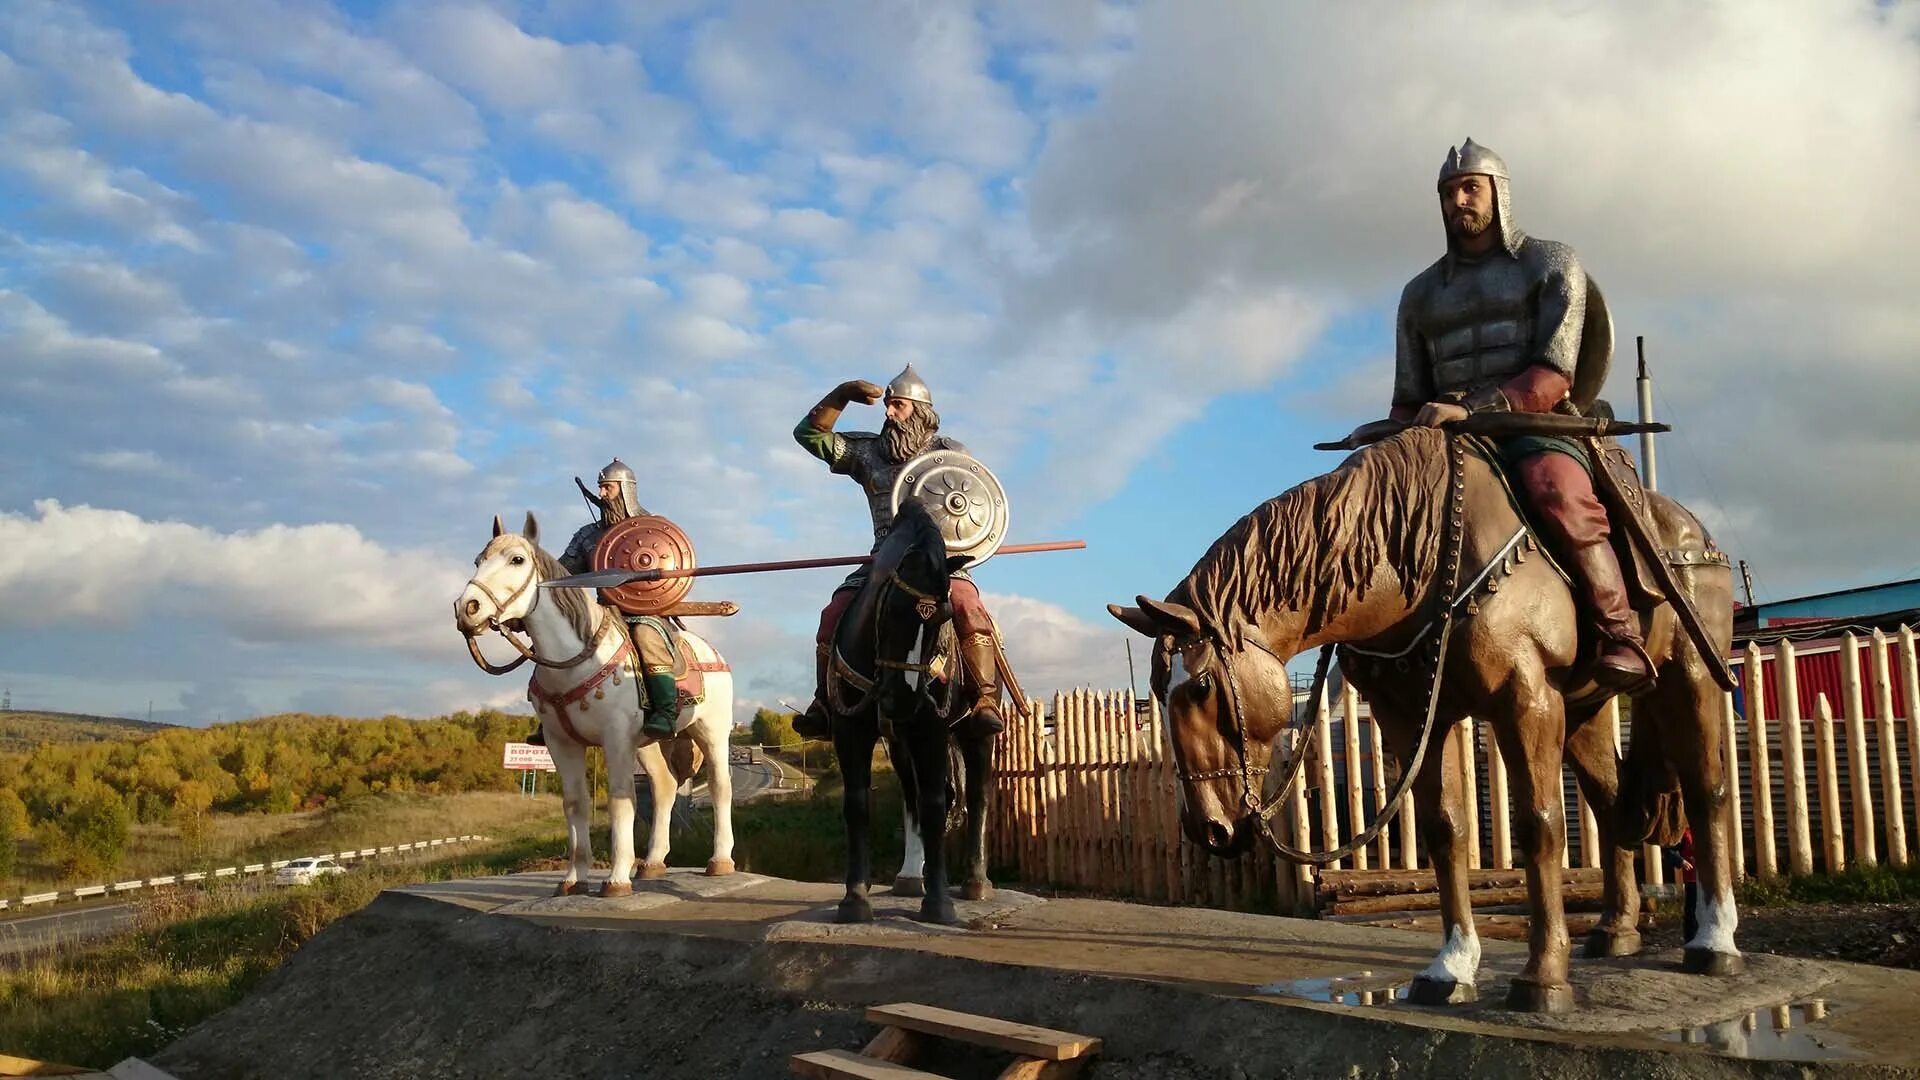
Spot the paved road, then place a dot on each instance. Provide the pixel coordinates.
(749, 782)
(28, 933)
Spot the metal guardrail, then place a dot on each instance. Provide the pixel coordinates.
(84, 892)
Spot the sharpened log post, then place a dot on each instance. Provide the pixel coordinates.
(1866, 845)
(1786, 675)
(1730, 750)
(1760, 770)
(1384, 842)
(1833, 835)
(1910, 697)
(1470, 787)
(1892, 803)
(1501, 833)
(1350, 743)
(1297, 821)
(1329, 806)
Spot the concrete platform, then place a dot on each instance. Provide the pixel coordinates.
(1175, 992)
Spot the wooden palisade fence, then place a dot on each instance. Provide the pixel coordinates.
(1087, 798)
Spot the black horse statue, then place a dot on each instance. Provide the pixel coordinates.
(885, 679)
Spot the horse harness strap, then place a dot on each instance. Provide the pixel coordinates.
(1449, 598)
(591, 685)
(526, 653)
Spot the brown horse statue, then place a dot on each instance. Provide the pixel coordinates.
(1405, 535)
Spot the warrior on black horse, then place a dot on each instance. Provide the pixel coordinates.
(875, 462)
(913, 611)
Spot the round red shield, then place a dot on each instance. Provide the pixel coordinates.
(645, 543)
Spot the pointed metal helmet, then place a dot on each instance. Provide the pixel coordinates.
(617, 472)
(1470, 158)
(909, 386)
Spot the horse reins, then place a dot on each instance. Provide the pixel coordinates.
(1449, 600)
(526, 653)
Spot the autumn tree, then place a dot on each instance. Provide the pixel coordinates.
(13, 829)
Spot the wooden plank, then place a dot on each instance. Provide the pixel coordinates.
(1833, 844)
(1786, 676)
(1910, 692)
(847, 1065)
(1384, 841)
(1030, 1069)
(1329, 809)
(1892, 804)
(1759, 769)
(897, 1045)
(1356, 804)
(1859, 783)
(1048, 1044)
(1501, 829)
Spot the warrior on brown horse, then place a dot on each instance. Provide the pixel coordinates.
(1417, 558)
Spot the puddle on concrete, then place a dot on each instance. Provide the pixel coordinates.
(1782, 1033)
(1364, 988)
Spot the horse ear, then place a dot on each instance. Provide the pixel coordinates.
(1172, 618)
(531, 530)
(1138, 621)
(499, 528)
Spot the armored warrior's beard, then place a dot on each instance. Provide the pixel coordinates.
(1464, 223)
(905, 440)
(616, 511)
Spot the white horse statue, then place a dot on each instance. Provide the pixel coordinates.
(586, 690)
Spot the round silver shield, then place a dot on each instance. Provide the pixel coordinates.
(964, 497)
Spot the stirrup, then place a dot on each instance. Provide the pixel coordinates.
(1622, 680)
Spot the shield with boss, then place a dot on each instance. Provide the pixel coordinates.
(964, 497)
(645, 543)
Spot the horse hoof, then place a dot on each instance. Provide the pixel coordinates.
(1709, 962)
(572, 888)
(854, 909)
(1603, 943)
(1529, 995)
(1425, 991)
(976, 890)
(653, 871)
(938, 910)
(616, 888)
(717, 867)
(909, 886)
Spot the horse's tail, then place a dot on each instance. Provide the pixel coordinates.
(1650, 808)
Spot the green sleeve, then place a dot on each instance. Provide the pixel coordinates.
(828, 446)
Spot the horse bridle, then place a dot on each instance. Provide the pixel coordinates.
(1449, 601)
(526, 652)
(927, 607)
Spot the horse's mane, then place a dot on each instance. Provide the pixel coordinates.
(575, 604)
(1314, 547)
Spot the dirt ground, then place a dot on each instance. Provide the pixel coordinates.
(495, 977)
(1883, 934)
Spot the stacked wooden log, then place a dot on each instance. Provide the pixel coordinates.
(1410, 899)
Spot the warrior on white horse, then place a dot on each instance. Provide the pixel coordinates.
(588, 691)
(652, 637)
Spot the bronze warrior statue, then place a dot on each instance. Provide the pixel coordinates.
(873, 460)
(1496, 324)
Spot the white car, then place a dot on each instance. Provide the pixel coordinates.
(306, 871)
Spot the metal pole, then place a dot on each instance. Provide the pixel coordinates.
(1746, 581)
(1133, 681)
(1644, 383)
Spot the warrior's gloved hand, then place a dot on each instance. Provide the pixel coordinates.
(1436, 413)
(858, 390)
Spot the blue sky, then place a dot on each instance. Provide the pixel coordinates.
(296, 295)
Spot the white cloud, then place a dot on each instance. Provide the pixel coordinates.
(276, 584)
